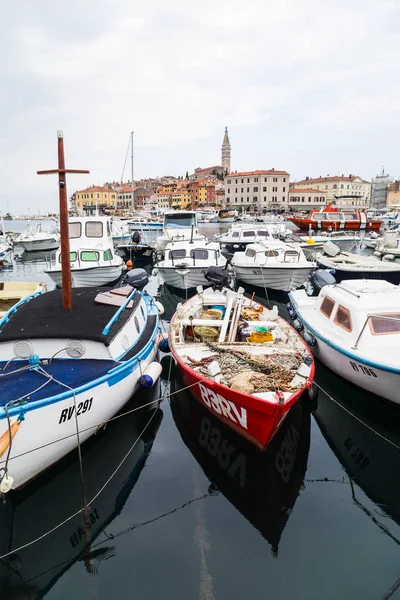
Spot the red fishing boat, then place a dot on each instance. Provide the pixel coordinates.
(333, 218)
(244, 363)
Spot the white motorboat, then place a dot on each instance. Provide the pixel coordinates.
(92, 256)
(353, 328)
(347, 265)
(345, 240)
(225, 216)
(179, 226)
(206, 216)
(120, 231)
(388, 246)
(272, 264)
(370, 240)
(144, 224)
(39, 240)
(240, 236)
(185, 263)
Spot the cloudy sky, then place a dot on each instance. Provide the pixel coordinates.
(309, 86)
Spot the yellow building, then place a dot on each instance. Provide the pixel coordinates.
(94, 196)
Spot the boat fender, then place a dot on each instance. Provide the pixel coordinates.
(159, 307)
(273, 315)
(298, 325)
(309, 338)
(163, 345)
(6, 484)
(310, 241)
(150, 375)
(388, 257)
(291, 311)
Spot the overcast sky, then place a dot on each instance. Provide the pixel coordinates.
(309, 86)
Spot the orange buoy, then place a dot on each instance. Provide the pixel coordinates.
(5, 438)
(129, 264)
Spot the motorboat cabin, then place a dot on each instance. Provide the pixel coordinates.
(179, 226)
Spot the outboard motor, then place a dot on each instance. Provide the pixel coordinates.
(319, 279)
(219, 277)
(136, 237)
(137, 278)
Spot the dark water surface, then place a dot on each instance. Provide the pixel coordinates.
(189, 510)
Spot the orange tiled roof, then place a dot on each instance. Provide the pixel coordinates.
(333, 178)
(269, 172)
(95, 188)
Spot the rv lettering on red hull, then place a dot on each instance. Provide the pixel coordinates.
(223, 407)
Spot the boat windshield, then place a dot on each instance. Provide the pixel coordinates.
(179, 220)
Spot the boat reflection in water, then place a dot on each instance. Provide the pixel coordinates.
(364, 433)
(263, 486)
(119, 452)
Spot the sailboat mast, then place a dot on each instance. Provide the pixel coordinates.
(133, 192)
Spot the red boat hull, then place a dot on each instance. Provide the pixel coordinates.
(338, 225)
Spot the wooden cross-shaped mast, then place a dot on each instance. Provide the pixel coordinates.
(62, 186)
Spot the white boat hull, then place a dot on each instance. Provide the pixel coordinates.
(370, 378)
(279, 278)
(39, 245)
(92, 277)
(49, 432)
(185, 279)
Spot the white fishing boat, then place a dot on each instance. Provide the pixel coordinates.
(240, 236)
(13, 291)
(179, 226)
(92, 256)
(68, 366)
(39, 240)
(345, 240)
(353, 328)
(272, 264)
(185, 263)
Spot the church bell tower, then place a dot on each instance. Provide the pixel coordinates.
(226, 153)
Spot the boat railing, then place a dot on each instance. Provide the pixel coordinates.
(115, 317)
(382, 317)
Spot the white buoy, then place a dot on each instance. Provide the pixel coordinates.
(159, 307)
(150, 375)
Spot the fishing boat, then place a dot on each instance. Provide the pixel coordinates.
(179, 226)
(92, 256)
(262, 486)
(272, 264)
(347, 265)
(353, 328)
(69, 360)
(240, 236)
(336, 219)
(12, 292)
(185, 263)
(39, 240)
(225, 216)
(112, 466)
(345, 240)
(242, 362)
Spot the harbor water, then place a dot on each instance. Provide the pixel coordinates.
(180, 507)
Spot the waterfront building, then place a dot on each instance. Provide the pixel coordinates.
(344, 191)
(95, 196)
(379, 188)
(306, 198)
(393, 195)
(257, 191)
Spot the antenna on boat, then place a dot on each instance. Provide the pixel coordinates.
(133, 185)
(62, 188)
